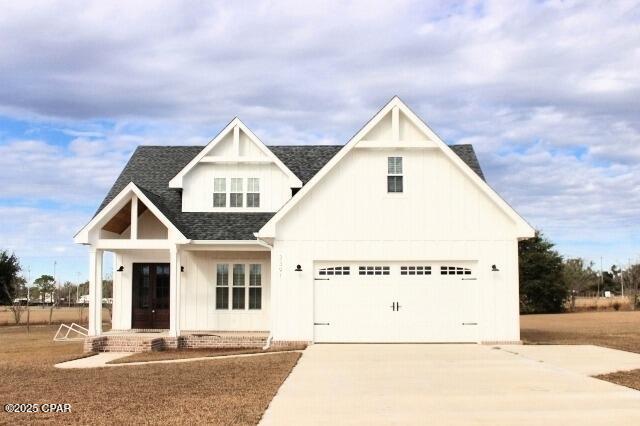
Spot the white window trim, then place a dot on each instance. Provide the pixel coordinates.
(249, 191)
(226, 196)
(247, 271)
(401, 174)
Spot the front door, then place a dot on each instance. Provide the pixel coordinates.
(150, 296)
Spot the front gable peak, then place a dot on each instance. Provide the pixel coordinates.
(236, 143)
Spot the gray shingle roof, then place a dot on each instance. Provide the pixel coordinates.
(152, 167)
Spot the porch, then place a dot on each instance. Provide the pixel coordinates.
(164, 283)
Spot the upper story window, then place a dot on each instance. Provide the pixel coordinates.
(394, 174)
(253, 192)
(236, 195)
(219, 192)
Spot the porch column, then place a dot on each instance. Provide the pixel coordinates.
(95, 291)
(174, 291)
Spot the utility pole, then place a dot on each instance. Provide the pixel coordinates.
(55, 281)
(78, 288)
(601, 282)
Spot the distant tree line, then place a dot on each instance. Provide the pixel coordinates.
(13, 286)
(547, 281)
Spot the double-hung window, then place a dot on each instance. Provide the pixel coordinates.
(255, 286)
(394, 174)
(219, 192)
(238, 297)
(253, 192)
(238, 286)
(236, 195)
(222, 286)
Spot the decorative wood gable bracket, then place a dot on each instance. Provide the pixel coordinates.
(235, 144)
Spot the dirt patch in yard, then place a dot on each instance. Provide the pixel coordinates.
(199, 353)
(630, 379)
(228, 391)
(616, 330)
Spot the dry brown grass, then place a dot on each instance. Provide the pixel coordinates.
(617, 330)
(41, 316)
(224, 391)
(630, 379)
(198, 353)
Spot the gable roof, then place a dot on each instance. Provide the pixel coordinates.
(393, 109)
(151, 168)
(233, 129)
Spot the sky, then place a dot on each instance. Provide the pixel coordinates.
(548, 93)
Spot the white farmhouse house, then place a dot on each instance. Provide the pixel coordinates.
(393, 237)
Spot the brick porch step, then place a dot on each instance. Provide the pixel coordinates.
(146, 342)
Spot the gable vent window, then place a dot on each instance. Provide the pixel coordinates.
(374, 270)
(335, 270)
(394, 174)
(454, 270)
(219, 192)
(415, 270)
(253, 192)
(236, 195)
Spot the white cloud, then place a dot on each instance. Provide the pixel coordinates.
(546, 91)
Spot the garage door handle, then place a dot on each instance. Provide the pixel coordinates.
(469, 279)
(321, 279)
(320, 323)
(469, 323)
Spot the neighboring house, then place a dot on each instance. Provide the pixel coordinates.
(393, 237)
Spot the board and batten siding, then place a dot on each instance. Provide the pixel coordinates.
(441, 216)
(197, 195)
(198, 305)
(197, 299)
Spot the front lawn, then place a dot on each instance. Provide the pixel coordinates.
(199, 353)
(221, 391)
(616, 330)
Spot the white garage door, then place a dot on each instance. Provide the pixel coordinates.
(395, 302)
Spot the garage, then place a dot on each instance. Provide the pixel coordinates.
(396, 301)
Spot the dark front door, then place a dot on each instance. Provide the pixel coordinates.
(150, 302)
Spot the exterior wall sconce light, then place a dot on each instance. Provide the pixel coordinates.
(298, 268)
(182, 269)
(494, 268)
(120, 269)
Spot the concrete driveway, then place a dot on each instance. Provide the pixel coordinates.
(455, 385)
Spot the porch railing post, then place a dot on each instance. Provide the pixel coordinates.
(174, 293)
(95, 291)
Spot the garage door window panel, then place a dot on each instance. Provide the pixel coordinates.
(335, 270)
(415, 270)
(454, 270)
(374, 270)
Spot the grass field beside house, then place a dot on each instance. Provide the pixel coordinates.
(40, 315)
(223, 391)
(616, 330)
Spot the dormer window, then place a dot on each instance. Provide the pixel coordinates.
(236, 195)
(394, 174)
(219, 192)
(253, 192)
